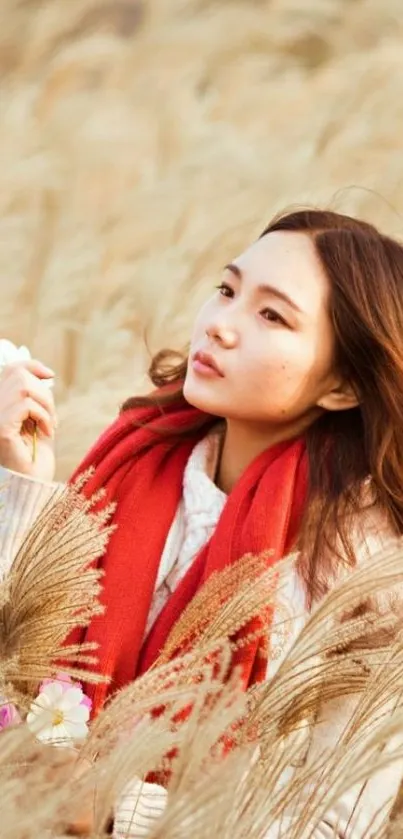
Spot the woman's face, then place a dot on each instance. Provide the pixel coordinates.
(268, 332)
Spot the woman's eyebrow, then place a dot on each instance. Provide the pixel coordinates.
(264, 287)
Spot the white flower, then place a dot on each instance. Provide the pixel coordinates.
(9, 354)
(58, 715)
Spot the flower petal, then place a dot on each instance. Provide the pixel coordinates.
(38, 722)
(53, 692)
(8, 715)
(66, 681)
(78, 714)
(8, 352)
(77, 731)
(40, 704)
(70, 698)
(45, 735)
(61, 736)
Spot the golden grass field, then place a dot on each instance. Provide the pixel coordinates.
(144, 143)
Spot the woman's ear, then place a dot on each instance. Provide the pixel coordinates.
(340, 398)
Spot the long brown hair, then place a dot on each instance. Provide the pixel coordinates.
(365, 270)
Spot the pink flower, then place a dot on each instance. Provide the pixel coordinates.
(8, 715)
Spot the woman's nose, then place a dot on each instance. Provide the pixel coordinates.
(222, 334)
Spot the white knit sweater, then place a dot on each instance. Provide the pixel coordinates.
(21, 500)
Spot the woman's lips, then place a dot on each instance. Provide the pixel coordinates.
(206, 365)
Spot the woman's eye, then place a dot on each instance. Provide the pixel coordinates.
(273, 316)
(225, 290)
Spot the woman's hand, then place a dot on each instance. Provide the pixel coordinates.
(27, 420)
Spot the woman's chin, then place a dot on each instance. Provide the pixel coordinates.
(200, 396)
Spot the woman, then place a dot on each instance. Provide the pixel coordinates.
(282, 430)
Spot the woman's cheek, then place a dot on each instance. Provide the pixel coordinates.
(280, 382)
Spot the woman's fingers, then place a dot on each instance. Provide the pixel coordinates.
(33, 366)
(21, 384)
(27, 406)
(33, 410)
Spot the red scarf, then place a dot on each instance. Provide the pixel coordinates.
(142, 472)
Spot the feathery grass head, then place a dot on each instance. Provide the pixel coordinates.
(53, 586)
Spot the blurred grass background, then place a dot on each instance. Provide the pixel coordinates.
(144, 142)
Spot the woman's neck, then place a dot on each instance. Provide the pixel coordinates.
(242, 443)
